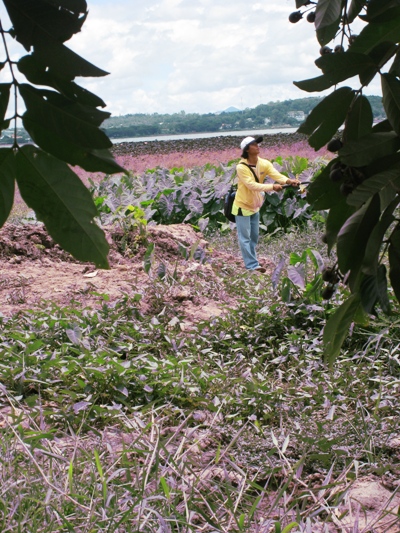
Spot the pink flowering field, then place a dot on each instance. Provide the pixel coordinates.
(140, 163)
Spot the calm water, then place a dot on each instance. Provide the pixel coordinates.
(242, 133)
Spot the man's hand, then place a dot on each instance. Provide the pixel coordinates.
(293, 183)
(276, 187)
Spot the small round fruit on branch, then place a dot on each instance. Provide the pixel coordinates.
(328, 292)
(334, 145)
(352, 38)
(325, 50)
(338, 49)
(336, 175)
(330, 274)
(311, 17)
(346, 188)
(295, 17)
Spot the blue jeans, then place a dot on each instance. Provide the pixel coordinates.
(247, 230)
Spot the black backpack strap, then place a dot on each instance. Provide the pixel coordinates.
(248, 166)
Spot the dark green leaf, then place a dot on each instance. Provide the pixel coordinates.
(394, 261)
(395, 67)
(385, 28)
(374, 245)
(337, 327)
(4, 99)
(37, 74)
(391, 99)
(42, 20)
(336, 68)
(377, 7)
(7, 183)
(359, 120)
(340, 67)
(88, 158)
(373, 290)
(338, 214)
(327, 12)
(323, 193)
(63, 203)
(384, 126)
(300, 3)
(354, 9)
(326, 118)
(380, 55)
(386, 184)
(327, 33)
(363, 151)
(76, 6)
(60, 120)
(354, 235)
(63, 62)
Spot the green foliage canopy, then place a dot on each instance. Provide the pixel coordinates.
(62, 118)
(361, 186)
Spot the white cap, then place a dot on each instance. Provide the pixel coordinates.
(248, 140)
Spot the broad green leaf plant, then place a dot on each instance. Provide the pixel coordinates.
(360, 186)
(63, 120)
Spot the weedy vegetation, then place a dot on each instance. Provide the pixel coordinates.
(115, 420)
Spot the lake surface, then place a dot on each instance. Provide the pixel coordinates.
(242, 133)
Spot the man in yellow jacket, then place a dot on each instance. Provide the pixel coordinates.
(251, 172)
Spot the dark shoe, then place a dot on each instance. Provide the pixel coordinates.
(261, 269)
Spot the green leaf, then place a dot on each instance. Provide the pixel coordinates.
(327, 33)
(353, 237)
(148, 257)
(384, 126)
(323, 193)
(326, 118)
(300, 3)
(41, 19)
(7, 182)
(394, 261)
(39, 75)
(359, 120)
(391, 99)
(384, 28)
(337, 327)
(386, 183)
(354, 10)
(338, 214)
(377, 7)
(63, 119)
(373, 290)
(395, 67)
(363, 151)
(337, 68)
(327, 12)
(380, 55)
(63, 203)
(4, 99)
(63, 62)
(375, 242)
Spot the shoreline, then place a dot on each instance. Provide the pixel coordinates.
(219, 142)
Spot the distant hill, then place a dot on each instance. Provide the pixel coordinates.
(289, 113)
(231, 110)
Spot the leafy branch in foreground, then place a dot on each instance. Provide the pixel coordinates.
(360, 187)
(62, 118)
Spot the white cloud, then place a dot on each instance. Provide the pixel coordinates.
(195, 55)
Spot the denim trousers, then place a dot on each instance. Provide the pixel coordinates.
(248, 230)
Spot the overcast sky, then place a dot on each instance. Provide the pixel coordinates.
(196, 55)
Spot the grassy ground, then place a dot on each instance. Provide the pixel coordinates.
(117, 422)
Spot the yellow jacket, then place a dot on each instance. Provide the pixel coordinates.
(249, 195)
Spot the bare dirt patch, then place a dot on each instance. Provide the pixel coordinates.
(185, 275)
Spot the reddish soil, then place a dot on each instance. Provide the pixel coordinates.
(34, 270)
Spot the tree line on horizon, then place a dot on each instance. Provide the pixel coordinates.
(289, 113)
